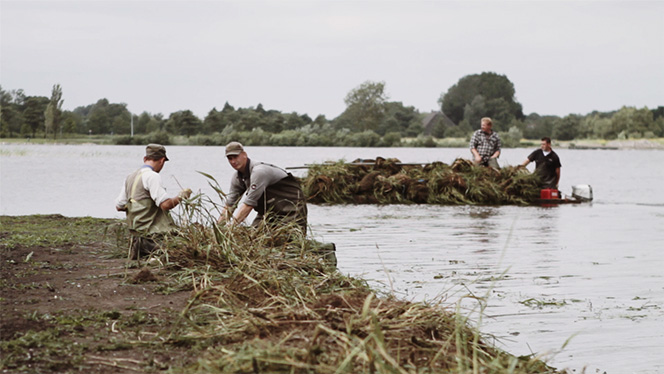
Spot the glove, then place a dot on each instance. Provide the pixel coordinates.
(184, 194)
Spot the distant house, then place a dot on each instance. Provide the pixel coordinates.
(433, 119)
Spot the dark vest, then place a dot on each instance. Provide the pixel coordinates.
(282, 198)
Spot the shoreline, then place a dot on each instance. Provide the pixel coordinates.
(78, 295)
(628, 144)
(590, 144)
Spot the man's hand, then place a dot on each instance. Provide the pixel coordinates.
(225, 216)
(184, 194)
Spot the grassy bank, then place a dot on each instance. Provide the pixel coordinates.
(216, 300)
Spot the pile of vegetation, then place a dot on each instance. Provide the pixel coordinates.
(388, 181)
(257, 304)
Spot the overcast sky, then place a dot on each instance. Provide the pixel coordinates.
(305, 56)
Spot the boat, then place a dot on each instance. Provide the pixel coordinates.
(581, 193)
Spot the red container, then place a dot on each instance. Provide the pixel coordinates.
(549, 193)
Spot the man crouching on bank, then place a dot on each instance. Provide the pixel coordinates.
(273, 192)
(143, 198)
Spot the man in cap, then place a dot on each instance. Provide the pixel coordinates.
(485, 145)
(274, 193)
(144, 199)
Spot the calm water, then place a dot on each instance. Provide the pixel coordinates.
(593, 273)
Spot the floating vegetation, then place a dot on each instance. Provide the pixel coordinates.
(539, 304)
(388, 181)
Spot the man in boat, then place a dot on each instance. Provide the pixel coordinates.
(271, 191)
(547, 164)
(144, 199)
(485, 145)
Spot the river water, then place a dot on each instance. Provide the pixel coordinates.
(589, 276)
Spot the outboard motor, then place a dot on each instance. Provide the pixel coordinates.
(582, 192)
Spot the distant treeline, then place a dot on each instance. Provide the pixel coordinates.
(370, 120)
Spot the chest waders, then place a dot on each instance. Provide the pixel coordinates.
(282, 202)
(145, 220)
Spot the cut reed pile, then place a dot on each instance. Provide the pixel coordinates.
(387, 181)
(262, 304)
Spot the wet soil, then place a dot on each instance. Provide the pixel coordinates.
(87, 299)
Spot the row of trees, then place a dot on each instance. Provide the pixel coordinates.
(370, 119)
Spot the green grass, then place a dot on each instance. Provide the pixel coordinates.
(52, 230)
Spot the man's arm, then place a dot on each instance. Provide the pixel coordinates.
(121, 200)
(476, 154)
(526, 162)
(557, 176)
(241, 213)
(170, 203)
(499, 145)
(473, 148)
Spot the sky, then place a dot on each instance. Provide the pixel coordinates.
(563, 57)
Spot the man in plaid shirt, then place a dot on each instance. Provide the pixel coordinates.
(485, 145)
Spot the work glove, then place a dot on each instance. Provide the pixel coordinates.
(184, 194)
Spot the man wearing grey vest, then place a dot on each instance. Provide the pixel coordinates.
(274, 193)
(143, 198)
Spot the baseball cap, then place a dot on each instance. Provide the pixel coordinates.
(155, 151)
(234, 149)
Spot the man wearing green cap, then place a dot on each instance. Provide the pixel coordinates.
(143, 198)
(274, 193)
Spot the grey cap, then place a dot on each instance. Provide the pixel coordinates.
(155, 151)
(234, 149)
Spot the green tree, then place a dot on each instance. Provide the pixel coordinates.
(512, 137)
(497, 98)
(33, 112)
(104, 117)
(53, 111)
(11, 116)
(120, 118)
(400, 118)
(566, 128)
(98, 120)
(658, 113)
(212, 122)
(183, 123)
(70, 122)
(365, 107)
(537, 127)
(595, 126)
(634, 122)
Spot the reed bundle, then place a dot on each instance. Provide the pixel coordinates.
(387, 181)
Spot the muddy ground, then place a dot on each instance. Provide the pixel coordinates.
(74, 307)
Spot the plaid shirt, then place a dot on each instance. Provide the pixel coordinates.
(485, 144)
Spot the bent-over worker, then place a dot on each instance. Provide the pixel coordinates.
(547, 164)
(144, 199)
(274, 193)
